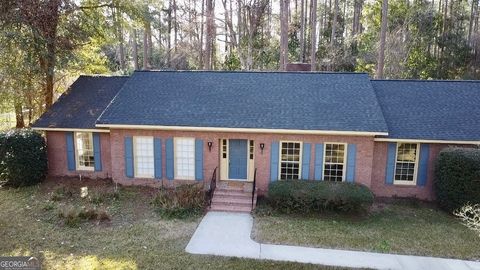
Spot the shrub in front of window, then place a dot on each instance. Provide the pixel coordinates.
(181, 202)
(23, 158)
(300, 196)
(457, 177)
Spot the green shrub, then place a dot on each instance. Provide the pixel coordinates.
(457, 177)
(181, 202)
(300, 196)
(23, 158)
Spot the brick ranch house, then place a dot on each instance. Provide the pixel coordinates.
(172, 127)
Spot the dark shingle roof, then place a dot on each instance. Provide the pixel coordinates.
(433, 110)
(270, 100)
(82, 103)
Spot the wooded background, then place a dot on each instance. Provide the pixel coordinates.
(46, 44)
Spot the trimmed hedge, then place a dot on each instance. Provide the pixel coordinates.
(457, 177)
(301, 196)
(23, 158)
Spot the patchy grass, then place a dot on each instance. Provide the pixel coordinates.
(135, 237)
(402, 228)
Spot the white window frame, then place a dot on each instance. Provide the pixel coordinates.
(77, 160)
(344, 171)
(415, 169)
(175, 158)
(135, 159)
(280, 159)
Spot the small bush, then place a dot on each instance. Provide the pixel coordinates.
(72, 216)
(23, 158)
(60, 193)
(101, 196)
(470, 216)
(457, 177)
(181, 202)
(299, 196)
(48, 205)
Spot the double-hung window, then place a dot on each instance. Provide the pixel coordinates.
(84, 151)
(143, 157)
(334, 162)
(290, 160)
(185, 158)
(406, 163)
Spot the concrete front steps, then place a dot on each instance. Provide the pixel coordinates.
(232, 196)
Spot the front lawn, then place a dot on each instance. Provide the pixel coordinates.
(403, 228)
(135, 237)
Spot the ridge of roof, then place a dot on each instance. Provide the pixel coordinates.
(103, 76)
(420, 80)
(250, 72)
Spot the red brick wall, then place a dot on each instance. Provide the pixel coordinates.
(370, 167)
(57, 156)
(262, 160)
(379, 169)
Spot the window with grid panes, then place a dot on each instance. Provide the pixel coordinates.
(290, 154)
(185, 158)
(84, 148)
(334, 162)
(405, 165)
(143, 157)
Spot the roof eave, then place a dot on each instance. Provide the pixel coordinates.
(244, 130)
(72, 129)
(427, 141)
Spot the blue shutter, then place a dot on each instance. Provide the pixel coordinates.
(157, 155)
(70, 151)
(198, 159)
(318, 161)
(129, 157)
(97, 150)
(306, 161)
(274, 161)
(391, 156)
(351, 158)
(423, 165)
(169, 158)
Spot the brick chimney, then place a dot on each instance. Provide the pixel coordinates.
(298, 67)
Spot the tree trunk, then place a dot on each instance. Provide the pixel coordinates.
(202, 22)
(175, 26)
(210, 33)
(169, 34)
(302, 32)
(383, 36)
(473, 12)
(313, 32)
(284, 5)
(334, 25)
(135, 49)
(119, 34)
(20, 123)
(149, 44)
(146, 65)
(357, 13)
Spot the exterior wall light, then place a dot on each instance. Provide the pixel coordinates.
(210, 144)
(262, 145)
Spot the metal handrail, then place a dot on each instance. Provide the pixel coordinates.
(213, 185)
(254, 186)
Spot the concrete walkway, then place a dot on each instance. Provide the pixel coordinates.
(228, 234)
